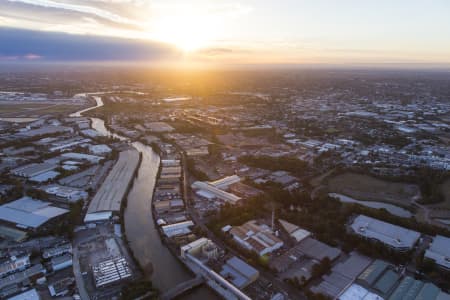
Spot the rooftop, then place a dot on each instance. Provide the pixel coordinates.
(439, 251)
(392, 235)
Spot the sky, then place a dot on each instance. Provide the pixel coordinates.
(227, 32)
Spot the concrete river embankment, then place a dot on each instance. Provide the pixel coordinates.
(160, 266)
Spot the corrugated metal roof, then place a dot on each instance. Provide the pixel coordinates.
(29, 212)
(392, 235)
(402, 288)
(428, 292)
(243, 268)
(386, 282)
(371, 274)
(439, 251)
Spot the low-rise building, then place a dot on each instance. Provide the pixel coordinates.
(256, 237)
(210, 191)
(111, 271)
(27, 295)
(439, 252)
(239, 273)
(177, 229)
(14, 264)
(294, 231)
(61, 262)
(393, 236)
(29, 213)
(33, 170)
(201, 248)
(67, 193)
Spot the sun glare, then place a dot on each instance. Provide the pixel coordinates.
(188, 31)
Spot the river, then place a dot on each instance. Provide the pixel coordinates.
(160, 266)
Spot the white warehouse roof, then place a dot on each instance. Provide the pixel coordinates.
(389, 234)
(28, 212)
(439, 251)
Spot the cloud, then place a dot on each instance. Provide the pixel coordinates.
(214, 51)
(47, 46)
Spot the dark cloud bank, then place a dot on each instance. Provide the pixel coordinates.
(23, 45)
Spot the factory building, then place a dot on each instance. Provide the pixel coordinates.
(33, 170)
(61, 262)
(177, 229)
(239, 273)
(393, 236)
(201, 248)
(29, 213)
(380, 281)
(67, 193)
(294, 231)
(209, 191)
(439, 252)
(255, 237)
(14, 264)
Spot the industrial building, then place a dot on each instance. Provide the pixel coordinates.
(111, 271)
(294, 231)
(22, 277)
(82, 157)
(56, 251)
(256, 237)
(14, 264)
(99, 149)
(45, 130)
(209, 191)
(201, 248)
(381, 281)
(27, 295)
(177, 229)
(29, 213)
(67, 193)
(225, 182)
(32, 170)
(317, 250)
(239, 273)
(356, 292)
(342, 275)
(64, 145)
(44, 177)
(439, 252)
(111, 193)
(395, 237)
(61, 262)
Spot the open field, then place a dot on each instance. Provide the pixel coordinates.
(367, 188)
(35, 109)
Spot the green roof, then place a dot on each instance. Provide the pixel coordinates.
(386, 282)
(414, 289)
(402, 288)
(371, 274)
(428, 292)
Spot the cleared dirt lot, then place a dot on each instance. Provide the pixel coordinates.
(364, 187)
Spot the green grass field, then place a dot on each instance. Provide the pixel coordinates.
(364, 187)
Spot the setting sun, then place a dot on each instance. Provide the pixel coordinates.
(188, 30)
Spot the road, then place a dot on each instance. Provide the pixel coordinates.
(280, 285)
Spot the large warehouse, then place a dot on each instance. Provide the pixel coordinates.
(29, 213)
(394, 236)
(110, 195)
(439, 251)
